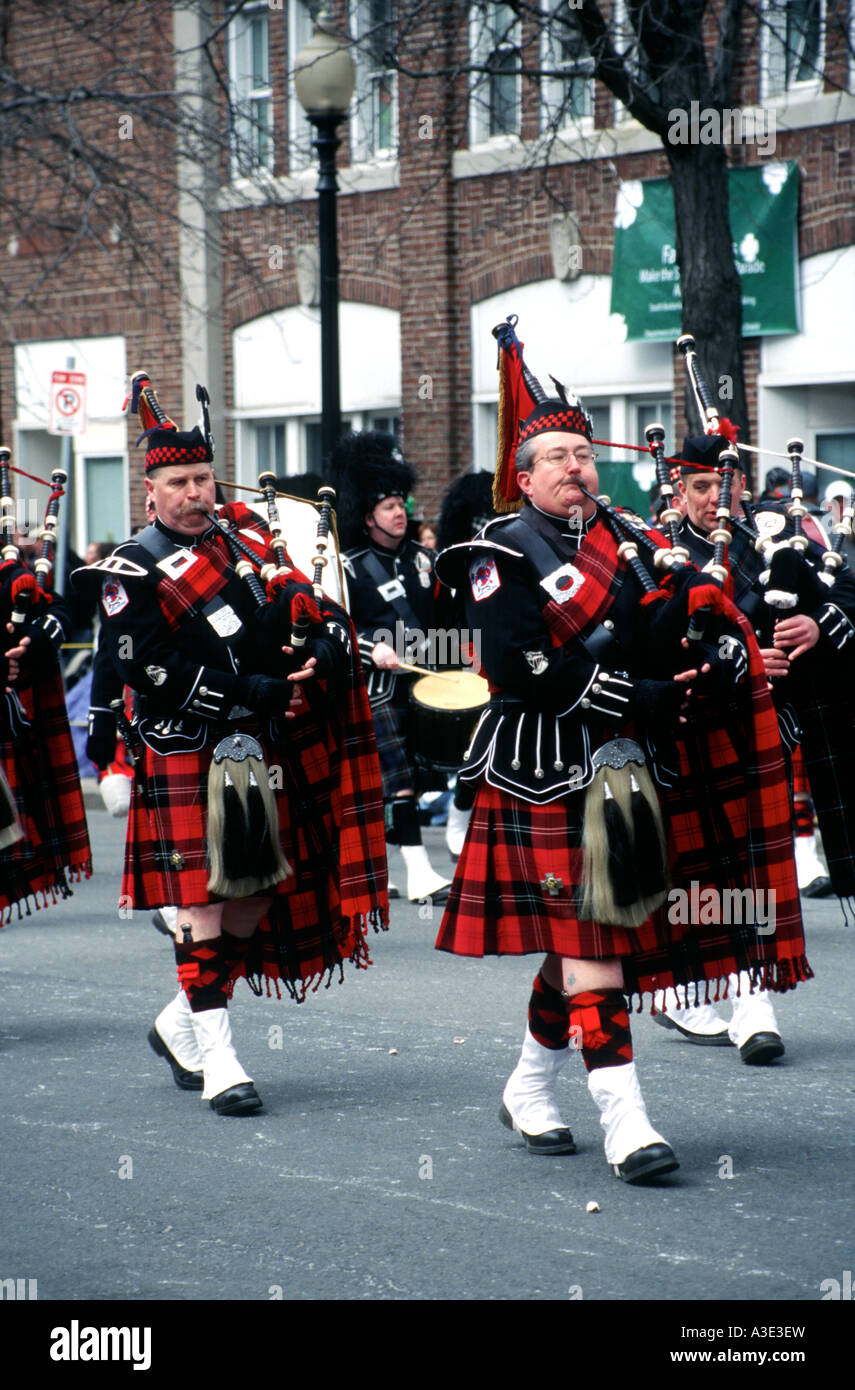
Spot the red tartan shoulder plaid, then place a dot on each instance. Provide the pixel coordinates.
(45, 783)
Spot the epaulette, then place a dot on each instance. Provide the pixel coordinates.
(450, 564)
(117, 565)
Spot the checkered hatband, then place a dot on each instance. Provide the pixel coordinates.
(167, 447)
(557, 415)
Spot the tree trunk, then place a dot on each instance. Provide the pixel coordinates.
(710, 286)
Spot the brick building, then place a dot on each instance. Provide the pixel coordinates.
(160, 212)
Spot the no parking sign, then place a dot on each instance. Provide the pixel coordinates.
(67, 403)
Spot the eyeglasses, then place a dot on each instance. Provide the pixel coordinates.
(559, 457)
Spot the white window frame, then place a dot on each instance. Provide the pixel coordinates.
(248, 466)
(552, 89)
(240, 166)
(481, 47)
(630, 57)
(301, 133)
(807, 87)
(363, 149)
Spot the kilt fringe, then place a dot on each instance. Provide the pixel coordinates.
(775, 976)
(48, 896)
(41, 772)
(259, 981)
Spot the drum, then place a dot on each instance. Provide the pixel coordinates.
(443, 715)
(299, 529)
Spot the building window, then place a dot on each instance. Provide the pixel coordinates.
(839, 450)
(301, 25)
(567, 88)
(644, 413)
(793, 45)
(627, 42)
(104, 491)
(269, 448)
(374, 124)
(291, 447)
(250, 92)
(494, 44)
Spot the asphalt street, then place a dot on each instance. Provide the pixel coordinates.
(378, 1170)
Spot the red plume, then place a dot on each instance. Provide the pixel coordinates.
(140, 386)
(729, 430)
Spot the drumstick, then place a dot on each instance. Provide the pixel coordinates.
(422, 671)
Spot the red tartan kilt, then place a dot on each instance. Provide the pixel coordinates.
(41, 770)
(167, 839)
(304, 935)
(496, 905)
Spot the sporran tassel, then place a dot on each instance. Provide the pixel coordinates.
(244, 853)
(624, 874)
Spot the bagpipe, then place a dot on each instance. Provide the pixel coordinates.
(28, 588)
(789, 581)
(625, 862)
(243, 822)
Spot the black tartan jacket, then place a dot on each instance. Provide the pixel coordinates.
(554, 706)
(203, 673)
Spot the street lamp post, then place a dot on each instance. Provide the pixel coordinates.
(324, 78)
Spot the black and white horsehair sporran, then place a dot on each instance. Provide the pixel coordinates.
(244, 852)
(625, 865)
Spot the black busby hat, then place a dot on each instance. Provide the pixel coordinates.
(367, 466)
(466, 507)
(305, 485)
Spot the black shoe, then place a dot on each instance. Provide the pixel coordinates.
(818, 888)
(762, 1048)
(187, 1080)
(159, 921)
(237, 1100)
(554, 1141)
(653, 1161)
(440, 896)
(721, 1039)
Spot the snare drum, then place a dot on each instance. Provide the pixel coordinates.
(443, 715)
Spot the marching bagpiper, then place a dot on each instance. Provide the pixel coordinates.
(256, 807)
(585, 736)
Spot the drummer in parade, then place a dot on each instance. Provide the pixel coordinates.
(393, 593)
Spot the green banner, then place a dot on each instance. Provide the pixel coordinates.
(764, 203)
